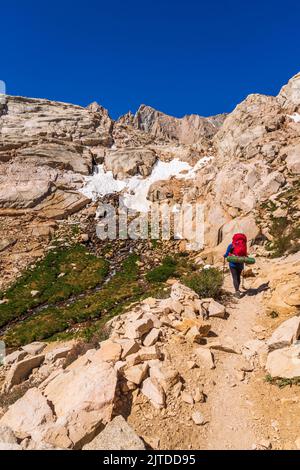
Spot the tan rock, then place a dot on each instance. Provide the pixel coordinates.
(180, 292)
(34, 348)
(86, 358)
(117, 435)
(139, 328)
(21, 370)
(189, 313)
(144, 354)
(120, 366)
(58, 353)
(91, 405)
(7, 446)
(165, 375)
(136, 374)
(205, 356)
(152, 337)
(28, 415)
(15, 356)
(150, 301)
(198, 418)
(109, 351)
(58, 434)
(154, 392)
(129, 347)
(193, 335)
(7, 436)
(284, 362)
(176, 306)
(216, 310)
(199, 396)
(187, 398)
(188, 323)
(286, 334)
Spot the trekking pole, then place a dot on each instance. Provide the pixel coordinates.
(223, 270)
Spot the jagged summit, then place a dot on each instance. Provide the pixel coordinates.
(188, 130)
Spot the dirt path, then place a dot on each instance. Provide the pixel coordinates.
(234, 424)
(242, 411)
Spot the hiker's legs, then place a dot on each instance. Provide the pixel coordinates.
(239, 273)
(236, 277)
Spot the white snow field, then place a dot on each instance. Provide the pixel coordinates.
(135, 189)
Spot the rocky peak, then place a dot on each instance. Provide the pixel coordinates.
(189, 129)
(289, 96)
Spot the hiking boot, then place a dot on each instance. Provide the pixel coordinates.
(238, 294)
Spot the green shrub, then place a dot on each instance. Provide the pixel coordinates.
(282, 382)
(206, 283)
(163, 272)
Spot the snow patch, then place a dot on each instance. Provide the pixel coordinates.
(101, 183)
(295, 117)
(136, 188)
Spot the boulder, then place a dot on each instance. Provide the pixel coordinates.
(253, 348)
(193, 335)
(152, 337)
(117, 435)
(198, 418)
(176, 306)
(83, 412)
(216, 310)
(189, 312)
(154, 392)
(29, 415)
(286, 334)
(139, 328)
(180, 292)
(136, 374)
(129, 162)
(206, 357)
(165, 375)
(202, 327)
(109, 351)
(293, 158)
(15, 356)
(34, 348)
(284, 362)
(144, 354)
(21, 370)
(187, 398)
(58, 353)
(129, 347)
(6, 446)
(7, 436)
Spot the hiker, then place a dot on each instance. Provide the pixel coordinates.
(238, 247)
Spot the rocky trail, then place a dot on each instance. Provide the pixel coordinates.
(232, 424)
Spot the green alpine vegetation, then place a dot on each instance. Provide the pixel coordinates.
(60, 275)
(76, 297)
(206, 282)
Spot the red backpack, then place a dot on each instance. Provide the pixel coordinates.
(239, 244)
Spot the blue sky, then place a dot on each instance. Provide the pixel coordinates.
(181, 57)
